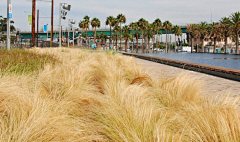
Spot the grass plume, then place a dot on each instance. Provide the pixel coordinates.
(95, 96)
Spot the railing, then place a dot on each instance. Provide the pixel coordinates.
(232, 74)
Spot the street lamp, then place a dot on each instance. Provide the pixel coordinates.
(70, 23)
(62, 15)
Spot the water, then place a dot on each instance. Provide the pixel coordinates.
(221, 60)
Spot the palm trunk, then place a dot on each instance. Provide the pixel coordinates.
(148, 44)
(132, 42)
(110, 38)
(166, 50)
(137, 43)
(191, 45)
(116, 42)
(154, 40)
(113, 42)
(237, 43)
(126, 44)
(142, 43)
(82, 38)
(86, 37)
(95, 35)
(214, 45)
(225, 50)
(175, 43)
(157, 45)
(203, 45)
(121, 36)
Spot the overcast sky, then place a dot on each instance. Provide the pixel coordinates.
(178, 12)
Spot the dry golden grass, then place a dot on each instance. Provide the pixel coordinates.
(108, 97)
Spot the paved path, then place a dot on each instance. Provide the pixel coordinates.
(213, 84)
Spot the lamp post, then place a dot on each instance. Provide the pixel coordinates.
(70, 23)
(62, 15)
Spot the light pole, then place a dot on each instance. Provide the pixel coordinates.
(9, 15)
(70, 23)
(62, 15)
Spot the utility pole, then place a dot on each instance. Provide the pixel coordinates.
(37, 25)
(9, 15)
(33, 22)
(60, 17)
(52, 24)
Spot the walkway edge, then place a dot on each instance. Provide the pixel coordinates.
(232, 74)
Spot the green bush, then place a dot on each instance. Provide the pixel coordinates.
(185, 44)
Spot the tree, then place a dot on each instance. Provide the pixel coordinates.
(110, 21)
(158, 24)
(137, 28)
(81, 25)
(225, 30)
(121, 19)
(235, 22)
(95, 23)
(215, 33)
(149, 34)
(103, 37)
(143, 26)
(154, 28)
(132, 27)
(204, 32)
(86, 21)
(127, 36)
(167, 26)
(193, 32)
(176, 29)
(116, 31)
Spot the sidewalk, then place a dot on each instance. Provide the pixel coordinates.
(213, 84)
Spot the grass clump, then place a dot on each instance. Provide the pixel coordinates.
(21, 61)
(108, 97)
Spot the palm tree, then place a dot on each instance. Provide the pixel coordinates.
(193, 32)
(149, 34)
(235, 22)
(143, 26)
(103, 37)
(176, 30)
(204, 33)
(110, 21)
(81, 25)
(95, 23)
(179, 33)
(167, 26)
(133, 27)
(116, 30)
(215, 33)
(127, 36)
(158, 24)
(86, 20)
(121, 19)
(226, 30)
(154, 28)
(137, 28)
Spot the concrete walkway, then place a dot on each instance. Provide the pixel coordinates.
(213, 85)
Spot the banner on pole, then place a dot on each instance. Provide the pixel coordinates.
(10, 11)
(29, 19)
(45, 28)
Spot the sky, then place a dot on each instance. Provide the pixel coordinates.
(178, 12)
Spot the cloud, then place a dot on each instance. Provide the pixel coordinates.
(176, 11)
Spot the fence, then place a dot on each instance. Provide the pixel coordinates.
(27, 43)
